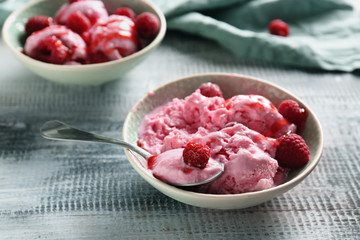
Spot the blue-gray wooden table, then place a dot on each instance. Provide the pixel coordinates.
(65, 190)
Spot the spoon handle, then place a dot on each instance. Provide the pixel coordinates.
(60, 131)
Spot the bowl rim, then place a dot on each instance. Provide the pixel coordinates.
(17, 52)
(213, 197)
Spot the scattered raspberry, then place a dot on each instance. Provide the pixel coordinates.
(125, 11)
(37, 23)
(51, 50)
(278, 27)
(196, 155)
(210, 90)
(78, 22)
(72, 1)
(292, 151)
(293, 113)
(147, 24)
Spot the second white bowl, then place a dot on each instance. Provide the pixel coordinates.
(13, 35)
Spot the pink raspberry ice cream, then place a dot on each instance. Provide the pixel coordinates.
(259, 114)
(241, 133)
(56, 44)
(92, 9)
(113, 38)
(248, 157)
(106, 37)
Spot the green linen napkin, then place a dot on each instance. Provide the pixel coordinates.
(324, 34)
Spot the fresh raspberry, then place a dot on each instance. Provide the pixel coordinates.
(196, 155)
(148, 25)
(210, 90)
(125, 11)
(51, 50)
(37, 23)
(292, 151)
(78, 22)
(293, 113)
(278, 27)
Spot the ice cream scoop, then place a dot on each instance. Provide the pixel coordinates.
(93, 10)
(56, 44)
(175, 173)
(112, 39)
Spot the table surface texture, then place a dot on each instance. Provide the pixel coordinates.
(66, 190)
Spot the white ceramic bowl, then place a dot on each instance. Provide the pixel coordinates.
(231, 85)
(92, 74)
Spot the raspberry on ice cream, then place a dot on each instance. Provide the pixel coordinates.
(196, 155)
(125, 11)
(38, 22)
(210, 90)
(78, 22)
(113, 38)
(292, 151)
(148, 25)
(56, 44)
(242, 133)
(51, 50)
(293, 113)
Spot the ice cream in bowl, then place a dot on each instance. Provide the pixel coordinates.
(267, 139)
(83, 42)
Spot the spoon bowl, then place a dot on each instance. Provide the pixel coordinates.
(57, 130)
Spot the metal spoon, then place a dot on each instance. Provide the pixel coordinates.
(57, 130)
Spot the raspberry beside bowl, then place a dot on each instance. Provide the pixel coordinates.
(13, 34)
